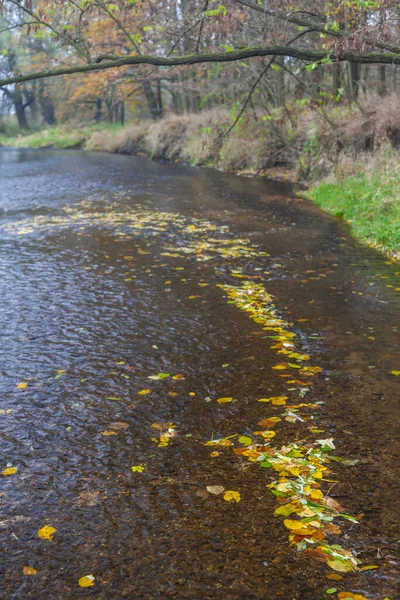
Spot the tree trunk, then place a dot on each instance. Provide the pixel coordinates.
(382, 80)
(98, 113)
(46, 104)
(19, 108)
(154, 102)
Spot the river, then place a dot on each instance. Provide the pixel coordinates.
(117, 341)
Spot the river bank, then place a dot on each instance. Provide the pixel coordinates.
(352, 173)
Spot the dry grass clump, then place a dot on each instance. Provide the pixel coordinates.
(129, 140)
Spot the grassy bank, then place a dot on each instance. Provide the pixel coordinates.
(351, 154)
(367, 195)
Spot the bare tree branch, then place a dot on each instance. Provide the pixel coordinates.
(305, 54)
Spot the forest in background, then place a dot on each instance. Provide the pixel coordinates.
(246, 85)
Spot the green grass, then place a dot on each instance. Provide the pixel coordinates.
(56, 137)
(370, 203)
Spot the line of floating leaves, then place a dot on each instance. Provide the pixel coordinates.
(301, 466)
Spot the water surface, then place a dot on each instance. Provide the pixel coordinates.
(91, 308)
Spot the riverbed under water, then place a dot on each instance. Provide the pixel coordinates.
(94, 302)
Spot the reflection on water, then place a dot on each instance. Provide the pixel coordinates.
(108, 277)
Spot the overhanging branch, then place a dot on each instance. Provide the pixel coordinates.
(305, 54)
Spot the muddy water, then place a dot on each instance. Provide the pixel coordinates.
(90, 310)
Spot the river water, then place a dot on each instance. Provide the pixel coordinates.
(109, 276)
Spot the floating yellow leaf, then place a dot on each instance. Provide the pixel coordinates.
(280, 367)
(192, 393)
(397, 373)
(293, 525)
(214, 454)
(316, 495)
(277, 400)
(46, 532)
(246, 441)
(108, 433)
(29, 571)
(231, 496)
(9, 471)
(224, 400)
(334, 576)
(137, 469)
(144, 392)
(341, 566)
(86, 581)
(21, 386)
(350, 596)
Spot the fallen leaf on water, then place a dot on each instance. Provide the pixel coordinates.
(178, 377)
(143, 392)
(397, 373)
(29, 571)
(231, 496)
(159, 376)
(86, 581)
(350, 596)
(334, 576)
(215, 489)
(331, 590)
(108, 433)
(369, 567)
(46, 532)
(119, 425)
(270, 422)
(277, 400)
(5, 411)
(9, 471)
(21, 386)
(340, 565)
(137, 469)
(246, 441)
(214, 454)
(224, 400)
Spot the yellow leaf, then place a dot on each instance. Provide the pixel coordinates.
(334, 576)
(144, 392)
(214, 454)
(231, 496)
(397, 373)
(22, 386)
(192, 393)
(108, 433)
(279, 400)
(224, 400)
(293, 525)
(46, 532)
(137, 469)
(86, 581)
(9, 471)
(340, 565)
(316, 495)
(29, 571)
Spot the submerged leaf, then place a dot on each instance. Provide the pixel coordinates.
(9, 471)
(86, 581)
(215, 489)
(231, 496)
(224, 400)
(46, 532)
(137, 469)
